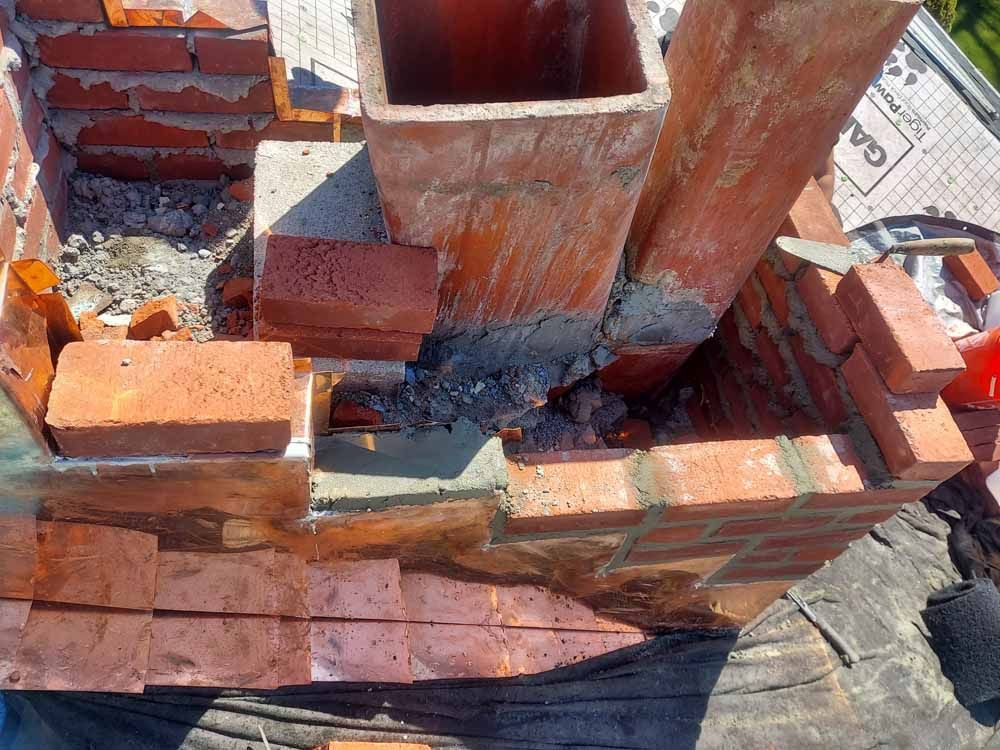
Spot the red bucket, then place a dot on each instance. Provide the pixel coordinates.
(980, 383)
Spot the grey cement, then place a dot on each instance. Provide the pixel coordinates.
(411, 467)
(363, 374)
(640, 313)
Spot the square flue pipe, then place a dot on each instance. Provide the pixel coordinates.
(513, 136)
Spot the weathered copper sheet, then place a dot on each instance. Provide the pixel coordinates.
(363, 590)
(221, 583)
(13, 616)
(433, 598)
(82, 648)
(235, 651)
(344, 651)
(63, 328)
(18, 548)
(290, 588)
(447, 652)
(537, 607)
(36, 274)
(100, 566)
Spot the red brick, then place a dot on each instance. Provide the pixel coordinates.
(730, 478)
(739, 413)
(119, 166)
(901, 334)
(818, 554)
(35, 226)
(843, 501)
(817, 287)
(673, 534)
(238, 139)
(774, 572)
(174, 398)
(811, 218)
(776, 289)
(750, 303)
(132, 130)
(641, 554)
(260, 98)
(973, 272)
(986, 453)
(772, 556)
(774, 363)
(238, 291)
(822, 384)
(976, 418)
(242, 190)
(870, 518)
(635, 433)
(572, 491)
(153, 318)
(831, 538)
(739, 356)
(349, 343)
(319, 282)
(8, 232)
(232, 53)
(90, 11)
(772, 526)
(68, 93)
(118, 49)
(8, 127)
(768, 422)
(639, 370)
(832, 463)
(915, 432)
(290, 130)
(351, 414)
(184, 166)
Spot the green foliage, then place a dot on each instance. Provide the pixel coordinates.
(943, 10)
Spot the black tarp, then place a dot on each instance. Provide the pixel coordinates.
(779, 685)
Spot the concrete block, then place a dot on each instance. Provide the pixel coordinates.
(358, 471)
(524, 170)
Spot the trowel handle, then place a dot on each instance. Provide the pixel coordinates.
(939, 246)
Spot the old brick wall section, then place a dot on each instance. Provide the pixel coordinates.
(33, 176)
(161, 103)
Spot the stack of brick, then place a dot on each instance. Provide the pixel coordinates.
(981, 430)
(334, 298)
(851, 365)
(33, 191)
(162, 103)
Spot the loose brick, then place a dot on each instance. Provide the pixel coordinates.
(903, 337)
(817, 287)
(915, 432)
(132, 130)
(153, 318)
(259, 99)
(135, 398)
(635, 433)
(772, 526)
(88, 11)
(242, 190)
(238, 291)
(776, 289)
(974, 273)
(643, 369)
(118, 49)
(811, 218)
(349, 343)
(572, 491)
(68, 93)
(673, 534)
(232, 54)
(708, 480)
(319, 282)
(119, 166)
(821, 382)
(351, 414)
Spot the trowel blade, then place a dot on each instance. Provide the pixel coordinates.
(836, 258)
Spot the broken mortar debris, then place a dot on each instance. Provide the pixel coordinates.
(136, 240)
(231, 88)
